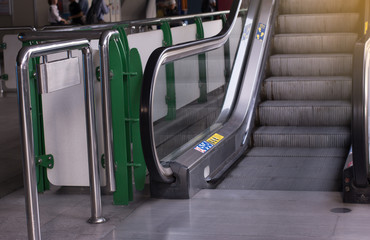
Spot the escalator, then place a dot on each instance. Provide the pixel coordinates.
(303, 122)
(280, 122)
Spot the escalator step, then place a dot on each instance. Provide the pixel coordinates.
(318, 6)
(307, 88)
(318, 23)
(306, 137)
(305, 113)
(311, 65)
(297, 152)
(314, 43)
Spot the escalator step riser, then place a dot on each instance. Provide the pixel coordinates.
(314, 43)
(297, 152)
(319, 23)
(305, 115)
(311, 65)
(304, 141)
(307, 89)
(318, 6)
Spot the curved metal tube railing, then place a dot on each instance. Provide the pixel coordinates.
(23, 58)
(159, 57)
(104, 37)
(18, 28)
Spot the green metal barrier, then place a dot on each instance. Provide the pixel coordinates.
(125, 97)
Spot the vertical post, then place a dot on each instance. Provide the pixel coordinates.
(106, 106)
(28, 156)
(95, 195)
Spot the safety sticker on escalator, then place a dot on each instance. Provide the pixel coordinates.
(246, 31)
(204, 146)
(215, 138)
(261, 31)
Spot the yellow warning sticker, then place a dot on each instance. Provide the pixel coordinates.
(215, 138)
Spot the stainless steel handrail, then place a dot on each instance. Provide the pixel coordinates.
(106, 107)
(49, 35)
(106, 104)
(28, 157)
(168, 54)
(17, 28)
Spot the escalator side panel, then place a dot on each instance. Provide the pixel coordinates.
(194, 170)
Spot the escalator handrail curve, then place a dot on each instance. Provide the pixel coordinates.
(159, 57)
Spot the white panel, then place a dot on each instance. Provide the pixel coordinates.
(184, 34)
(212, 28)
(13, 45)
(145, 43)
(65, 130)
(57, 75)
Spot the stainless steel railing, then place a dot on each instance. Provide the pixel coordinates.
(28, 157)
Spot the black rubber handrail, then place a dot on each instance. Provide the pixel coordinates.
(360, 106)
(159, 57)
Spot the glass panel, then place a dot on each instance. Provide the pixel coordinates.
(196, 93)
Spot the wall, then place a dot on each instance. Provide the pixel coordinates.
(132, 10)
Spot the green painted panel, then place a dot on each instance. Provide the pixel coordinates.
(135, 92)
(120, 151)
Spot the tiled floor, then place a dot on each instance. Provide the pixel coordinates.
(211, 214)
(10, 145)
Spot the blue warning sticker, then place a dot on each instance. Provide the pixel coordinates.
(203, 147)
(261, 29)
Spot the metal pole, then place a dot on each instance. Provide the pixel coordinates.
(106, 106)
(95, 196)
(28, 157)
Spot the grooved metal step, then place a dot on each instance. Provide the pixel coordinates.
(306, 137)
(305, 113)
(318, 23)
(297, 152)
(307, 88)
(311, 65)
(315, 43)
(318, 6)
